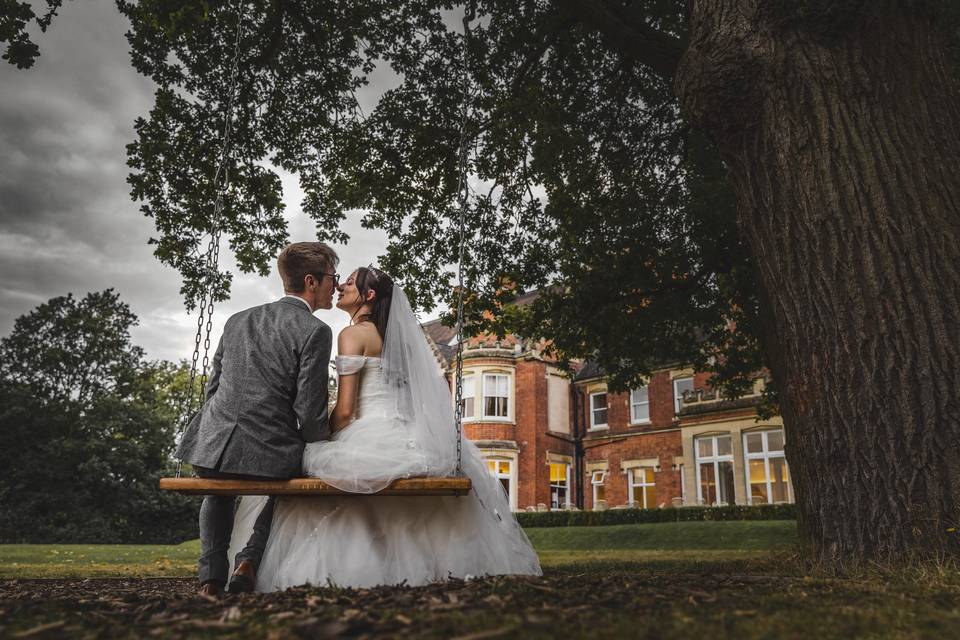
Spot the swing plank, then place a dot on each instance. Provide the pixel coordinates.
(425, 486)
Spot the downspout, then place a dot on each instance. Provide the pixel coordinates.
(578, 455)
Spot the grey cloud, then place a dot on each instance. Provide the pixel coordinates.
(67, 223)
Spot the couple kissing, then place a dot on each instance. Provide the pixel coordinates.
(267, 415)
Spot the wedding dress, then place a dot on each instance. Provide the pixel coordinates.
(403, 428)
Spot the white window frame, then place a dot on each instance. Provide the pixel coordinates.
(469, 391)
(483, 410)
(567, 497)
(714, 460)
(599, 425)
(683, 484)
(764, 455)
(597, 479)
(634, 403)
(500, 476)
(633, 482)
(677, 396)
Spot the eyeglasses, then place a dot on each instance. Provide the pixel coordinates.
(335, 276)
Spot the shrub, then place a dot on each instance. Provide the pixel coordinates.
(644, 516)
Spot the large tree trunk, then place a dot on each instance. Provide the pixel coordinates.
(842, 137)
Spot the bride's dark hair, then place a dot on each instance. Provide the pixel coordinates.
(372, 279)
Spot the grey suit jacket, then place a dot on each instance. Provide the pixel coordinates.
(267, 393)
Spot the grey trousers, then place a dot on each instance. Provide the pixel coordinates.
(216, 528)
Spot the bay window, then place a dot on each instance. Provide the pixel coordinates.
(500, 469)
(496, 395)
(466, 402)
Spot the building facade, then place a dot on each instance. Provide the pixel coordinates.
(559, 442)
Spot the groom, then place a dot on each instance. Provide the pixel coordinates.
(266, 396)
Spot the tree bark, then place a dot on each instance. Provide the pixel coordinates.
(842, 138)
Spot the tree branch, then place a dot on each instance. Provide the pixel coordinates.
(627, 32)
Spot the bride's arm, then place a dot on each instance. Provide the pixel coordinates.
(348, 344)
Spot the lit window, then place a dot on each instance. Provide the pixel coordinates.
(598, 410)
(495, 395)
(715, 469)
(500, 469)
(642, 488)
(768, 479)
(679, 386)
(596, 479)
(466, 402)
(640, 405)
(559, 485)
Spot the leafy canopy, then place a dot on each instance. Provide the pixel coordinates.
(586, 181)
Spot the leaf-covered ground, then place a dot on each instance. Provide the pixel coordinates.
(599, 601)
(721, 580)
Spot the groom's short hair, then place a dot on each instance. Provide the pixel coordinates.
(301, 258)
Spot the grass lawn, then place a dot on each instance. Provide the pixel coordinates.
(681, 543)
(97, 560)
(671, 580)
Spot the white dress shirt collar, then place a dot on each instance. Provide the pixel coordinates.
(296, 297)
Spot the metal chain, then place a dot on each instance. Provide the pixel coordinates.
(462, 197)
(212, 255)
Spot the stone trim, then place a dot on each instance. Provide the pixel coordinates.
(558, 458)
(626, 465)
(602, 465)
(600, 434)
(506, 445)
(597, 387)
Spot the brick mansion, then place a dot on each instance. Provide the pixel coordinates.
(559, 442)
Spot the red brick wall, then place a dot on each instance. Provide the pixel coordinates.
(488, 431)
(532, 413)
(661, 406)
(621, 441)
(663, 446)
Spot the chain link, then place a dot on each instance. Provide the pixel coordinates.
(221, 181)
(463, 199)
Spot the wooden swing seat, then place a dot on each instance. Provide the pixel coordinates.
(425, 486)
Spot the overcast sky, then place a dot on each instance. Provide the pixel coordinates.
(67, 223)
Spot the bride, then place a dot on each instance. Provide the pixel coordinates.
(393, 419)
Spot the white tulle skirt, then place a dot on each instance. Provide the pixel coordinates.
(363, 540)
(368, 541)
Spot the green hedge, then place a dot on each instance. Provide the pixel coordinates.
(642, 516)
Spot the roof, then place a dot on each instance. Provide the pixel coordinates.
(590, 369)
(439, 336)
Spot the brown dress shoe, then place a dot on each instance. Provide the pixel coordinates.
(243, 579)
(210, 589)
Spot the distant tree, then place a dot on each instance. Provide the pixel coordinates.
(86, 428)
